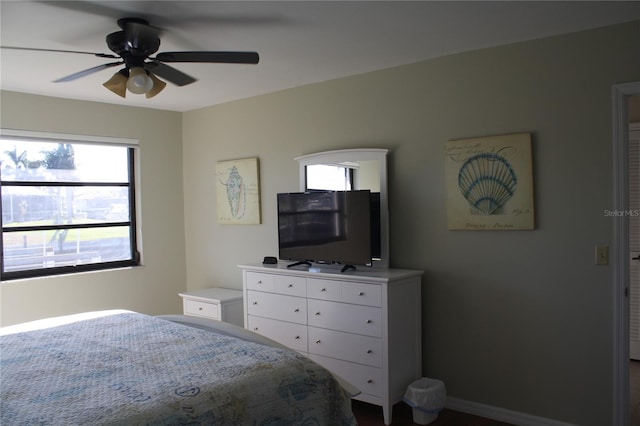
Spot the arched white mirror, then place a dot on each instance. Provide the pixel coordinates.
(353, 169)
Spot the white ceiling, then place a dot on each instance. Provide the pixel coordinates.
(299, 42)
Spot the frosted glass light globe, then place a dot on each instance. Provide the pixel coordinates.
(139, 82)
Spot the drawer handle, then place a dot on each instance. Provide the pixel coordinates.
(323, 290)
(296, 310)
(370, 381)
(255, 328)
(369, 351)
(318, 342)
(369, 321)
(290, 285)
(255, 303)
(361, 293)
(297, 337)
(200, 308)
(259, 281)
(317, 314)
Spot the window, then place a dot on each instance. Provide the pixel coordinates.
(328, 177)
(68, 204)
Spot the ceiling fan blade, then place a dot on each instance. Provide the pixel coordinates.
(169, 73)
(90, 7)
(99, 55)
(218, 57)
(86, 72)
(165, 13)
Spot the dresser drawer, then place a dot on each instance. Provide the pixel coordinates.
(366, 378)
(344, 291)
(201, 309)
(324, 289)
(366, 320)
(277, 306)
(293, 286)
(362, 294)
(291, 335)
(262, 282)
(349, 347)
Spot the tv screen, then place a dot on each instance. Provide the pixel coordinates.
(325, 227)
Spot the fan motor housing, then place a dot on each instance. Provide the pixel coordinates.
(136, 40)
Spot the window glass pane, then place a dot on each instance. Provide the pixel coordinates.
(54, 205)
(48, 249)
(332, 178)
(62, 162)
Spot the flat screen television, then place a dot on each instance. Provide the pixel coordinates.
(325, 227)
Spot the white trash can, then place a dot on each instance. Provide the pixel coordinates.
(427, 397)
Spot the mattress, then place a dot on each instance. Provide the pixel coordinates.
(126, 368)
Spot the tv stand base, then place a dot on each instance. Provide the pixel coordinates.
(302, 262)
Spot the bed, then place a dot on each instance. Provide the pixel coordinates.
(126, 368)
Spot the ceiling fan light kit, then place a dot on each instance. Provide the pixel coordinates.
(134, 46)
(137, 81)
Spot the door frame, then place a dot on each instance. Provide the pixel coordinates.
(620, 121)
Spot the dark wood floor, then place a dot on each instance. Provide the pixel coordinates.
(371, 415)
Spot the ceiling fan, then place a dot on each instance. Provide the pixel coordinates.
(133, 47)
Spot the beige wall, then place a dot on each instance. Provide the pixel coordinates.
(519, 320)
(152, 288)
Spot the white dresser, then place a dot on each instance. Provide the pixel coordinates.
(363, 325)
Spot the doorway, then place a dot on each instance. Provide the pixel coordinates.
(634, 227)
(621, 330)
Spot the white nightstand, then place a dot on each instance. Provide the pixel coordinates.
(217, 303)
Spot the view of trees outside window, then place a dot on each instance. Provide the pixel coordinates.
(64, 204)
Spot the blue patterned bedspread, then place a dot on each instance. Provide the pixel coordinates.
(124, 368)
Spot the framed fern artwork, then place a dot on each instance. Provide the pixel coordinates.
(238, 192)
(490, 183)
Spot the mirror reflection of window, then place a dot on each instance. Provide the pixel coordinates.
(332, 178)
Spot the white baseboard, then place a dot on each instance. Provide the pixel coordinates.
(500, 414)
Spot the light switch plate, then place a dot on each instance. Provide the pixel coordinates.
(602, 255)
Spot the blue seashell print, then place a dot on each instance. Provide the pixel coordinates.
(487, 181)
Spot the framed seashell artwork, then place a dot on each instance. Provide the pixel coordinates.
(238, 192)
(490, 183)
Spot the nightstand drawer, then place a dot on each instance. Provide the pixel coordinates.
(221, 304)
(201, 309)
